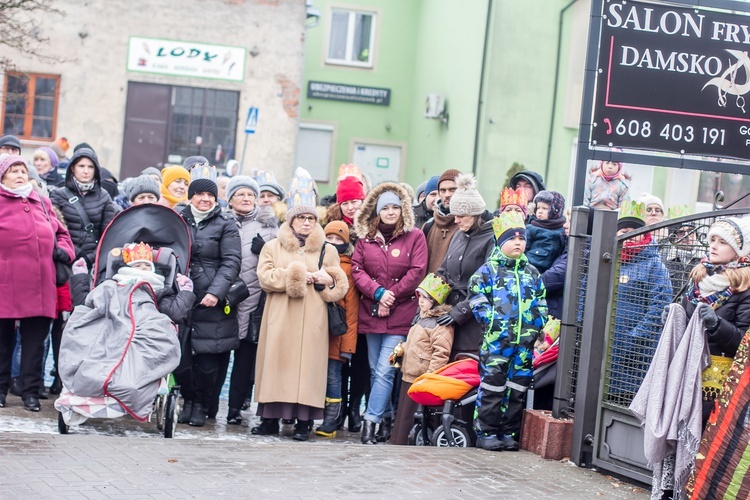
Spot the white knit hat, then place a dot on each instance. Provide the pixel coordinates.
(649, 199)
(735, 231)
(467, 200)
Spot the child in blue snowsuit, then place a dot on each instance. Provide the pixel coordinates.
(507, 297)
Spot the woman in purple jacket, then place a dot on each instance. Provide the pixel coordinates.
(389, 262)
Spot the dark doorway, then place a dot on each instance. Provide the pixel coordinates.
(146, 127)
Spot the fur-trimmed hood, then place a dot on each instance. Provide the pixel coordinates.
(367, 211)
(290, 243)
(436, 312)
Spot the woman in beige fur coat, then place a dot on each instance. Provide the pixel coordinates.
(291, 369)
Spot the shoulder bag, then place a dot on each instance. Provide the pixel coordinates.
(337, 325)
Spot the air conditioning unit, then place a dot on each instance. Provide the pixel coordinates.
(434, 106)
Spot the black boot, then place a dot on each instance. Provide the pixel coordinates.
(489, 442)
(330, 418)
(198, 415)
(56, 387)
(384, 431)
(43, 394)
(355, 419)
(234, 417)
(368, 432)
(509, 442)
(15, 386)
(302, 430)
(267, 427)
(246, 405)
(342, 416)
(187, 410)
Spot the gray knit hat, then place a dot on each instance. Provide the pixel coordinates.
(143, 184)
(241, 181)
(467, 200)
(151, 171)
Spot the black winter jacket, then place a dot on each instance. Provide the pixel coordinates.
(421, 215)
(214, 266)
(96, 203)
(734, 320)
(554, 281)
(466, 253)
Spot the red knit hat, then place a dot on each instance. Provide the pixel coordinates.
(449, 175)
(348, 189)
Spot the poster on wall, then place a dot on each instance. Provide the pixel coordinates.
(182, 58)
(673, 79)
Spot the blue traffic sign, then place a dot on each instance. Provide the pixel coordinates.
(252, 121)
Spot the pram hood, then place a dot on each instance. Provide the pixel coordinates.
(157, 225)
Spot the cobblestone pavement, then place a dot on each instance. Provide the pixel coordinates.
(124, 459)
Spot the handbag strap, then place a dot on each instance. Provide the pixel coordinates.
(322, 254)
(75, 202)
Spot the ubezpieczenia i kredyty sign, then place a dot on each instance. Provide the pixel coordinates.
(673, 79)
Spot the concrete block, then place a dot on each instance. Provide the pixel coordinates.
(546, 436)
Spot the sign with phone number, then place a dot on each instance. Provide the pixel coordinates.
(674, 80)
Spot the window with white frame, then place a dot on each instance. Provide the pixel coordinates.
(351, 38)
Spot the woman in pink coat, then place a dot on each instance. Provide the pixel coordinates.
(28, 232)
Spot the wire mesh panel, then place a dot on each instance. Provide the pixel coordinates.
(652, 269)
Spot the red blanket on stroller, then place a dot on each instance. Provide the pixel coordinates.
(449, 382)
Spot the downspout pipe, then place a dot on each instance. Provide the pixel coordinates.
(554, 90)
(480, 101)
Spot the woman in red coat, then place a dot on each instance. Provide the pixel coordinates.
(28, 232)
(389, 261)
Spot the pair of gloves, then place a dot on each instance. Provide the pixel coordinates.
(707, 314)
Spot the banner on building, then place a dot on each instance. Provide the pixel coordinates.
(181, 58)
(673, 79)
(351, 93)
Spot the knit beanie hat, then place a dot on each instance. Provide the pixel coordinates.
(10, 140)
(151, 171)
(203, 186)
(448, 175)
(172, 173)
(649, 199)
(302, 195)
(193, 161)
(418, 192)
(508, 225)
(339, 228)
(142, 184)
(387, 198)
(267, 182)
(632, 215)
(241, 181)
(553, 199)
(53, 158)
(348, 189)
(735, 231)
(467, 200)
(7, 161)
(432, 184)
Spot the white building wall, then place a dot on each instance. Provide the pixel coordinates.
(90, 44)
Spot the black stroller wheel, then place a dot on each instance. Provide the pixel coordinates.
(62, 427)
(461, 437)
(416, 436)
(170, 415)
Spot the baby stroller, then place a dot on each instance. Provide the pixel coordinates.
(121, 357)
(446, 405)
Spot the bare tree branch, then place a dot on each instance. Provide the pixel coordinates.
(21, 28)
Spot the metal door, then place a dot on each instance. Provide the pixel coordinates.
(146, 127)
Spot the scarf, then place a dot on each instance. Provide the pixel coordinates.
(248, 216)
(612, 177)
(302, 239)
(349, 222)
(198, 215)
(131, 276)
(84, 187)
(173, 200)
(549, 223)
(387, 231)
(21, 192)
(633, 247)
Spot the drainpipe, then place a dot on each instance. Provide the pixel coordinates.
(554, 90)
(481, 87)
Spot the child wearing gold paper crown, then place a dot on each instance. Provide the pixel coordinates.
(507, 297)
(140, 266)
(427, 348)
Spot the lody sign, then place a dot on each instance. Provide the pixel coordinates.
(171, 57)
(673, 79)
(352, 93)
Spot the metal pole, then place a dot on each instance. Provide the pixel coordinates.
(593, 340)
(566, 356)
(244, 150)
(589, 85)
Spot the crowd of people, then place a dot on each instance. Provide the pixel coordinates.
(430, 273)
